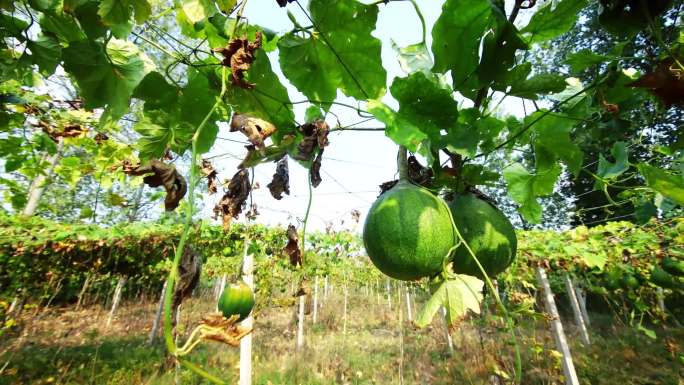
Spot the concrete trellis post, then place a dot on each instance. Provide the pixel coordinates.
(557, 329)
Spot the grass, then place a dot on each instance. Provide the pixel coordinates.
(65, 346)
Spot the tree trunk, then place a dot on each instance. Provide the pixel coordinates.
(300, 322)
(577, 312)
(557, 328)
(115, 301)
(157, 317)
(39, 183)
(247, 323)
(377, 292)
(81, 295)
(325, 289)
(220, 286)
(315, 299)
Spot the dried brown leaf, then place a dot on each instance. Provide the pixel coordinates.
(256, 130)
(239, 56)
(666, 82)
(315, 136)
(162, 175)
(281, 180)
(292, 249)
(233, 201)
(212, 176)
(316, 169)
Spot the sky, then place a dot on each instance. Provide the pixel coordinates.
(356, 162)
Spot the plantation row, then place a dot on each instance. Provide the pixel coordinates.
(623, 266)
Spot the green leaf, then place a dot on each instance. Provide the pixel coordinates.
(62, 25)
(579, 61)
(425, 103)
(538, 84)
(226, 5)
(553, 20)
(161, 131)
(198, 10)
(196, 101)
(90, 21)
(398, 128)
(107, 80)
(669, 185)
(413, 58)
(156, 91)
(553, 137)
(499, 48)
(345, 57)
(268, 100)
(458, 295)
(524, 188)
(456, 40)
(608, 170)
(308, 65)
(46, 52)
(312, 113)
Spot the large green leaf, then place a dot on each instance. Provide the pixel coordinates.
(611, 170)
(524, 188)
(198, 10)
(539, 84)
(308, 65)
(345, 56)
(46, 52)
(456, 39)
(268, 99)
(553, 19)
(458, 295)
(553, 137)
(106, 79)
(499, 48)
(116, 14)
(398, 128)
(669, 185)
(61, 25)
(425, 103)
(581, 60)
(414, 57)
(172, 115)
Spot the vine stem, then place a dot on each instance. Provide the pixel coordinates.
(402, 164)
(499, 303)
(173, 272)
(306, 216)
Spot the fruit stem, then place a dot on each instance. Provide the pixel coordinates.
(402, 164)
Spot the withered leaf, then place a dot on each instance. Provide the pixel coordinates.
(100, 137)
(356, 215)
(162, 175)
(253, 212)
(281, 180)
(212, 176)
(417, 174)
(316, 169)
(233, 201)
(256, 130)
(239, 56)
(666, 82)
(189, 272)
(315, 135)
(292, 248)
